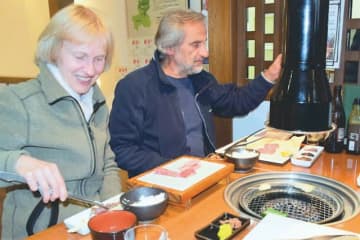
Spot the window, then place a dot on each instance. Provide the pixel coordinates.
(350, 70)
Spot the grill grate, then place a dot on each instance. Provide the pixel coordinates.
(315, 207)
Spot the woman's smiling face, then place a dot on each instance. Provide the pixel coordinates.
(81, 64)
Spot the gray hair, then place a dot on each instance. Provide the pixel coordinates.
(74, 23)
(170, 31)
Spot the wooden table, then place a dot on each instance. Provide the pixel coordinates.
(182, 223)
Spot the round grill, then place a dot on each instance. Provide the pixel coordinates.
(302, 196)
(316, 207)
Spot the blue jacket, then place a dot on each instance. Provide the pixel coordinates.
(146, 124)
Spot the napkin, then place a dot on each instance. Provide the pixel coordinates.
(276, 227)
(79, 222)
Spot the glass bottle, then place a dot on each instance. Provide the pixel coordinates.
(353, 142)
(335, 142)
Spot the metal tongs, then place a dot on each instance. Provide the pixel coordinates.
(13, 177)
(87, 201)
(244, 141)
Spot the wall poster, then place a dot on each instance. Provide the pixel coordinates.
(335, 24)
(143, 17)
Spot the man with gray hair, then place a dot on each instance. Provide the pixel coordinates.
(165, 109)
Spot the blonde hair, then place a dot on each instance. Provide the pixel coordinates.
(74, 23)
(170, 32)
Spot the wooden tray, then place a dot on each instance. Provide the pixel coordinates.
(196, 183)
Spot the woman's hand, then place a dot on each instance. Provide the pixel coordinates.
(42, 176)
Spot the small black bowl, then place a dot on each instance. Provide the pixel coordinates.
(153, 204)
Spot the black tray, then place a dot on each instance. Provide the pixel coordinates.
(209, 232)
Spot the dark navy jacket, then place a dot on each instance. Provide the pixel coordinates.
(146, 124)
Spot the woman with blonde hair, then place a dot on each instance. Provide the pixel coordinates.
(54, 128)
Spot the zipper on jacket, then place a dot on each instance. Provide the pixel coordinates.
(91, 134)
(97, 105)
(203, 120)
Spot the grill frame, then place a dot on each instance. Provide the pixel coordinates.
(348, 199)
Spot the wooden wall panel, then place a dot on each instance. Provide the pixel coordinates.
(228, 50)
(55, 5)
(222, 54)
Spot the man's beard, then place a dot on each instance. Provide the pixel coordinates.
(191, 69)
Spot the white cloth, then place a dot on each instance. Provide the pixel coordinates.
(84, 100)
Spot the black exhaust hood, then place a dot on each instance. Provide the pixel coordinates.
(302, 99)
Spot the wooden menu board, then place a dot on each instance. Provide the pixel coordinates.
(184, 177)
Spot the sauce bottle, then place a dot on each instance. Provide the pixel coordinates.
(335, 142)
(353, 142)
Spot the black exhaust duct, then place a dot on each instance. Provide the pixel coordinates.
(301, 101)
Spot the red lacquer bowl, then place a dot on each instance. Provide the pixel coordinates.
(111, 225)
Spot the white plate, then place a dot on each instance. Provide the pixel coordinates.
(79, 222)
(271, 158)
(307, 155)
(285, 145)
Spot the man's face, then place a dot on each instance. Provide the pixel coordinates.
(81, 64)
(190, 54)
